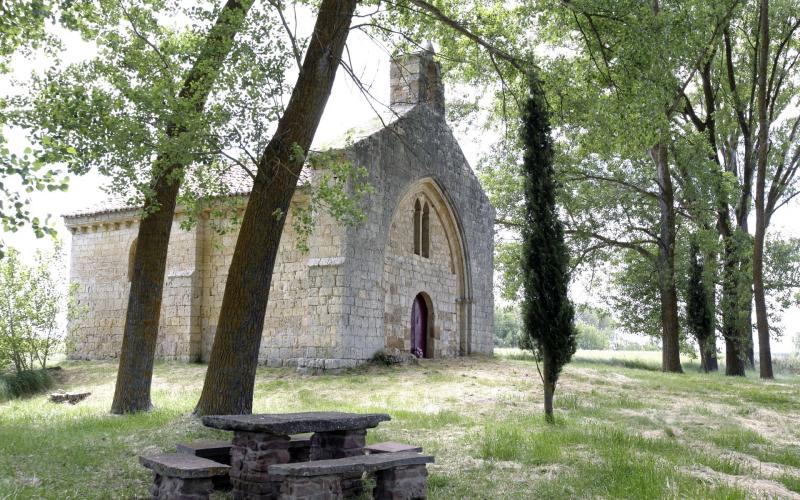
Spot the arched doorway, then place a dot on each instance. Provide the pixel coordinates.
(420, 327)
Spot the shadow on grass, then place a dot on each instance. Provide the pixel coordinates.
(634, 364)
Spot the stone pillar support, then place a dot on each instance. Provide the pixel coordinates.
(251, 454)
(311, 488)
(176, 488)
(341, 444)
(402, 483)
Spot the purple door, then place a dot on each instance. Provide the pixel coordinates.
(419, 327)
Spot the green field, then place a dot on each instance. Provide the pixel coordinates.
(623, 430)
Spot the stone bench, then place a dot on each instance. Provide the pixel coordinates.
(391, 447)
(399, 476)
(180, 476)
(218, 451)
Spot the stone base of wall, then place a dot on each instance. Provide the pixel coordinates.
(311, 366)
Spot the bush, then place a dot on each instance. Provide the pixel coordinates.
(34, 301)
(24, 383)
(787, 364)
(590, 338)
(507, 327)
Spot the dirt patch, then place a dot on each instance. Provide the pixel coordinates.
(759, 487)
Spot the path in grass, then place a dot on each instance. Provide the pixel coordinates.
(620, 433)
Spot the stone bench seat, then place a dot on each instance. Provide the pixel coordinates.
(399, 476)
(216, 450)
(220, 451)
(181, 476)
(391, 447)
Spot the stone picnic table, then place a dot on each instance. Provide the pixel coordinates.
(261, 440)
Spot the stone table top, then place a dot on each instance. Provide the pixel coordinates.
(295, 423)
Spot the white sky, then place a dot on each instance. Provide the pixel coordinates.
(347, 108)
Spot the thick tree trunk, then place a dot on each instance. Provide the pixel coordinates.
(729, 300)
(734, 342)
(134, 377)
(670, 333)
(132, 391)
(709, 270)
(764, 354)
(711, 364)
(231, 371)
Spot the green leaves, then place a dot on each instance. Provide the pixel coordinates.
(34, 300)
(338, 188)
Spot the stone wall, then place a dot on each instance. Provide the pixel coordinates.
(299, 322)
(99, 264)
(405, 275)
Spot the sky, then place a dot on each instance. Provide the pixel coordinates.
(347, 108)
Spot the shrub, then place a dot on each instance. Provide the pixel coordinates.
(590, 338)
(33, 303)
(24, 383)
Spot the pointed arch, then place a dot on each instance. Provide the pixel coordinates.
(417, 228)
(426, 232)
(444, 277)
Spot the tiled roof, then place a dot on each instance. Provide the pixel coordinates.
(236, 181)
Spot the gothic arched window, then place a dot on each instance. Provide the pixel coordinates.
(426, 232)
(422, 229)
(417, 227)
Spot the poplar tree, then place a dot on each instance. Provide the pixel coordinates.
(547, 311)
(230, 379)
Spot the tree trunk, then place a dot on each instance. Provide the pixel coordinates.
(132, 391)
(670, 333)
(134, 377)
(549, 389)
(709, 270)
(228, 387)
(712, 364)
(762, 321)
(729, 300)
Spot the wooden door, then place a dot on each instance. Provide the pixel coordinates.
(419, 328)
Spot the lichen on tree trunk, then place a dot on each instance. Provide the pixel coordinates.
(670, 334)
(228, 387)
(135, 373)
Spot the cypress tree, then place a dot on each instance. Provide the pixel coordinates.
(546, 309)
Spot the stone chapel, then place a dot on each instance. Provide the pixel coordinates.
(416, 276)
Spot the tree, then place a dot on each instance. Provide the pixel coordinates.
(728, 115)
(230, 378)
(165, 112)
(700, 309)
(132, 390)
(34, 301)
(507, 326)
(22, 32)
(797, 344)
(764, 353)
(548, 314)
(16, 303)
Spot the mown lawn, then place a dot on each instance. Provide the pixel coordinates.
(624, 430)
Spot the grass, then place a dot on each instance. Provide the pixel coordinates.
(27, 383)
(622, 429)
